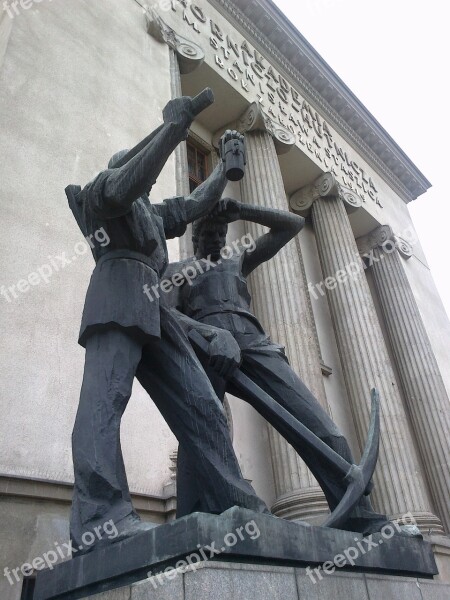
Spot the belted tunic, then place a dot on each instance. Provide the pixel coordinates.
(135, 255)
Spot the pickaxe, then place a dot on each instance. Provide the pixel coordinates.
(357, 478)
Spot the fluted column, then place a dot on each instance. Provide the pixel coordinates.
(399, 484)
(425, 395)
(281, 303)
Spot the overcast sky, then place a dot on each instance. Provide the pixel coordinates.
(394, 56)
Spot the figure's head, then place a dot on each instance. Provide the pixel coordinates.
(115, 159)
(209, 236)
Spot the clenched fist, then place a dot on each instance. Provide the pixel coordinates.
(180, 111)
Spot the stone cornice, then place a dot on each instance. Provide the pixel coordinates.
(264, 23)
(158, 508)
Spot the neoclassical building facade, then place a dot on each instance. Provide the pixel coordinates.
(352, 298)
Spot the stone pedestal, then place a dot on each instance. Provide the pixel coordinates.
(238, 535)
(223, 581)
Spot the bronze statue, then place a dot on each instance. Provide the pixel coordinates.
(125, 335)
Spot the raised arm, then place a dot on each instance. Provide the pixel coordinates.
(125, 185)
(284, 226)
(178, 212)
(207, 195)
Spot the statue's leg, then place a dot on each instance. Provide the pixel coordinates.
(189, 490)
(176, 382)
(271, 371)
(101, 489)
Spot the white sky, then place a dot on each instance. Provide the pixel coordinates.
(394, 55)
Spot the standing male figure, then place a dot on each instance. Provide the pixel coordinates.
(219, 299)
(126, 335)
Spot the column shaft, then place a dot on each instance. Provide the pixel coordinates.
(424, 391)
(281, 303)
(365, 362)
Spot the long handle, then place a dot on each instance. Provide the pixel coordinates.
(267, 406)
(202, 101)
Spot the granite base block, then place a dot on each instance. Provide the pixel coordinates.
(237, 536)
(223, 581)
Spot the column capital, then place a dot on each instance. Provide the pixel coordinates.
(384, 237)
(254, 119)
(325, 186)
(190, 55)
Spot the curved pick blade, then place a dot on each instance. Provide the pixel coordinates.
(370, 455)
(360, 477)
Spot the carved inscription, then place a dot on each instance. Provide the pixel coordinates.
(242, 64)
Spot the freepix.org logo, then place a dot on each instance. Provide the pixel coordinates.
(362, 546)
(203, 265)
(205, 553)
(13, 8)
(61, 552)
